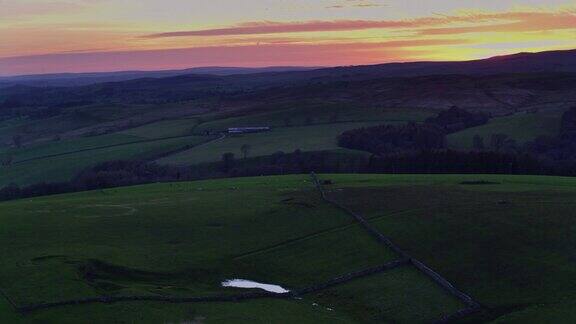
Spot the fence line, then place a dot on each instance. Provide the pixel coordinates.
(472, 305)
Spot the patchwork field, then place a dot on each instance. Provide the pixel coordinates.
(308, 127)
(165, 128)
(61, 162)
(504, 240)
(311, 128)
(287, 139)
(317, 114)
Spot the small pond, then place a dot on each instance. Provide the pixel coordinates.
(241, 283)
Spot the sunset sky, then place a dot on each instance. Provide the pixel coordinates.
(47, 36)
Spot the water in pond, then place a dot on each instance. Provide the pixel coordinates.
(241, 283)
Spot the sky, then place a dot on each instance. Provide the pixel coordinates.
(52, 36)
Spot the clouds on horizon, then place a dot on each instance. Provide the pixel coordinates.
(465, 35)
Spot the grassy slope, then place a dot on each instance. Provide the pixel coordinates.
(43, 128)
(509, 245)
(287, 139)
(64, 167)
(402, 295)
(158, 130)
(65, 146)
(554, 313)
(521, 127)
(247, 312)
(183, 239)
(165, 128)
(515, 257)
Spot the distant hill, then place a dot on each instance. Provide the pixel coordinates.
(550, 61)
(82, 79)
(497, 85)
(563, 61)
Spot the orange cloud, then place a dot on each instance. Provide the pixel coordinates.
(482, 22)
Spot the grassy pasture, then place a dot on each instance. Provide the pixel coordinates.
(165, 128)
(401, 295)
(64, 167)
(508, 244)
(40, 150)
(317, 114)
(184, 238)
(551, 313)
(157, 130)
(128, 228)
(288, 139)
(522, 127)
(44, 128)
(246, 312)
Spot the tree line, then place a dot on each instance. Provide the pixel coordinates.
(126, 173)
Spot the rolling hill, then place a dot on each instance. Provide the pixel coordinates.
(81, 79)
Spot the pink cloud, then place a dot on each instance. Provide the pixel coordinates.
(254, 28)
(499, 22)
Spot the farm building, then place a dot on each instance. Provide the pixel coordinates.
(245, 130)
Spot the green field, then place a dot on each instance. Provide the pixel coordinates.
(522, 127)
(246, 312)
(508, 244)
(308, 128)
(317, 114)
(183, 239)
(61, 160)
(39, 150)
(63, 167)
(165, 128)
(286, 139)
